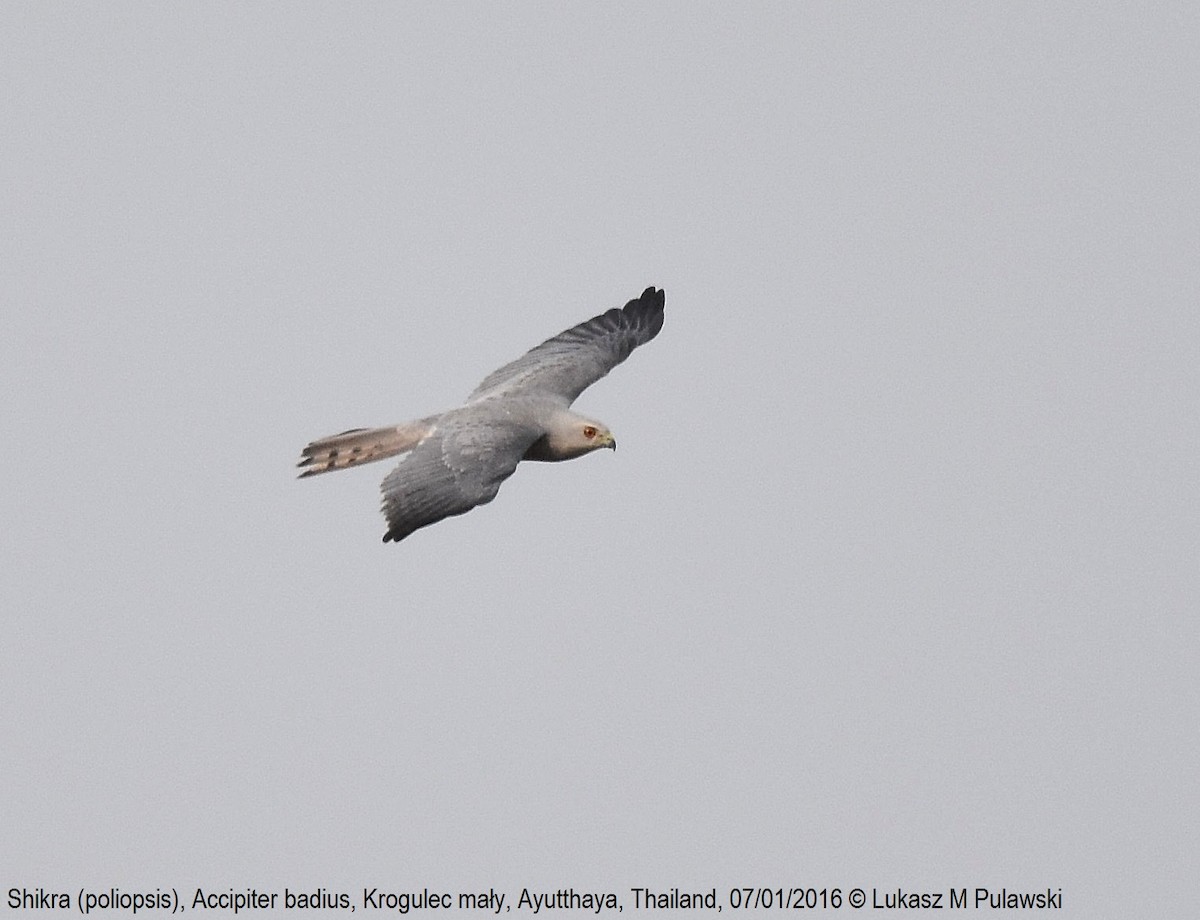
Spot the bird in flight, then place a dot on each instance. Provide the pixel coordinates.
(456, 460)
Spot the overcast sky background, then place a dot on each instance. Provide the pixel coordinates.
(893, 581)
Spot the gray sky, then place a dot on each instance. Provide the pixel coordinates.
(893, 581)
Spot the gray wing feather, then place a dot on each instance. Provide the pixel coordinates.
(566, 365)
(459, 466)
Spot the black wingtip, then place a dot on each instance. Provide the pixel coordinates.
(647, 311)
(652, 297)
(652, 301)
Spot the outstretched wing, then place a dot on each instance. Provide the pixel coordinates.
(566, 365)
(459, 465)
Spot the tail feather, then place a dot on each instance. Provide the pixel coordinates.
(362, 445)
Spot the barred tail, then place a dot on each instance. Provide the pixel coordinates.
(362, 445)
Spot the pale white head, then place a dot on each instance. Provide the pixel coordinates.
(568, 436)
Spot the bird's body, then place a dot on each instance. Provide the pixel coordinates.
(456, 460)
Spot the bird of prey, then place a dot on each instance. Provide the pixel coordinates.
(456, 460)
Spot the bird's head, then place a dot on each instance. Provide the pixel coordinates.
(594, 436)
(569, 435)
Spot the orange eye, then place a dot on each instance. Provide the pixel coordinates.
(589, 431)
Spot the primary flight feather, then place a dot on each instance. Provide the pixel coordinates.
(456, 460)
